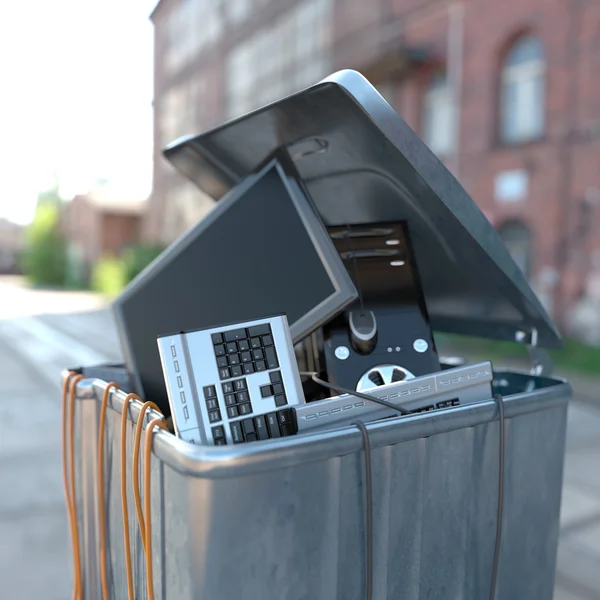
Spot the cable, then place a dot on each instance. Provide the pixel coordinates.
(147, 501)
(368, 473)
(68, 439)
(336, 388)
(101, 506)
(502, 452)
(126, 540)
(135, 468)
(368, 510)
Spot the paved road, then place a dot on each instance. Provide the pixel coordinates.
(34, 547)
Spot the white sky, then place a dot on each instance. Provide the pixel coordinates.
(75, 98)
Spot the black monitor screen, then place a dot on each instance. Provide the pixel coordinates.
(261, 251)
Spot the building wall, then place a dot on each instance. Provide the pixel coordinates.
(118, 231)
(557, 174)
(92, 231)
(12, 242)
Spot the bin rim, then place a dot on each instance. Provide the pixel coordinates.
(246, 459)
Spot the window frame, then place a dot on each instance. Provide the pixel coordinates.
(433, 93)
(533, 72)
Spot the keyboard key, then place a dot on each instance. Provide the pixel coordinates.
(179, 381)
(229, 399)
(245, 409)
(212, 403)
(210, 391)
(236, 432)
(239, 385)
(273, 425)
(278, 388)
(248, 368)
(242, 397)
(232, 412)
(221, 442)
(218, 432)
(257, 354)
(232, 348)
(271, 357)
(227, 387)
(222, 361)
(263, 329)
(224, 373)
(255, 343)
(176, 365)
(214, 416)
(246, 357)
(267, 340)
(248, 426)
(219, 350)
(244, 345)
(275, 377)
(260, 366)
(236, 371)
(235, 334)
(286, 430)
(266, 391)
(234, 359)
(251, 437)
(217, 338)
(284, 417)
(261, 427)
(280, 400)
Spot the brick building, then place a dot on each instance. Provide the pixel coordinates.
(506, 93)
(12, 243)
(99, 224)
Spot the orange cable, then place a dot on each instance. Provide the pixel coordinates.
(128, 569)
(147, 501)
(101, 505)
(135, 468)
(68, 438)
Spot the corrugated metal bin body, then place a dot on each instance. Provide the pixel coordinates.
(284, 520)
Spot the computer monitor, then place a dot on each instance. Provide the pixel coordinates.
(262, 250)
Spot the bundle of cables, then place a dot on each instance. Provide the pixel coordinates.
(143, 514)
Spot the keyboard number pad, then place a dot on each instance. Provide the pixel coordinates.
(244, 351)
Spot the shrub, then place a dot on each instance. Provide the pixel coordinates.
(109, 276)
(44, 259)
(137, 258)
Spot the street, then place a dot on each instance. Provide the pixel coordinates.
(34, 542)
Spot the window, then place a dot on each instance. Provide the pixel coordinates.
(438, 116)
(517, 239)
(522, 104)
(280, 59)
(237, 10)
(181, 109)
(191, 26)
(388, 91)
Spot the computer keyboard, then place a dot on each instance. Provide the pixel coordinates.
(232, 384)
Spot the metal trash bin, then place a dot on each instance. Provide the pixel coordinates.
(284, 519)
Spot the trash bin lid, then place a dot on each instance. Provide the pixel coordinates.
(362, 164)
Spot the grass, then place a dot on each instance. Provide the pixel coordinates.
(575, 356)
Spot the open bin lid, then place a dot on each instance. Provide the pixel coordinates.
(362, 164)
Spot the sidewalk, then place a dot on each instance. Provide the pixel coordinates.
(34, 546)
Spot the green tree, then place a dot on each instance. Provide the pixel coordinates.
(44, 258)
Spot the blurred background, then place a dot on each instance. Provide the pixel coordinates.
(507, 94)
